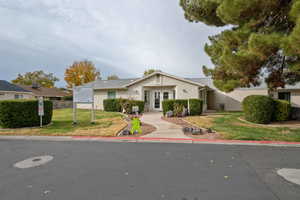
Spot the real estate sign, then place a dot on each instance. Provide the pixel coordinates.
(83, 95)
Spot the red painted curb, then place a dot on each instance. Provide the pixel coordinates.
(187, 139)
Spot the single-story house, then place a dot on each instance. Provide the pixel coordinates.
(159, 86)
(47, 93)
(10, 91)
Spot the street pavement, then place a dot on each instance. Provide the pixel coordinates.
(146, 171)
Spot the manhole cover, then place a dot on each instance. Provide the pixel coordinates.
(291, 175)
(33, 162)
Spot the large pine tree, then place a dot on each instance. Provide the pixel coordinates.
(262, 41)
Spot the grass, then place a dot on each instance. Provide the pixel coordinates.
(106, 124)
(229, 126)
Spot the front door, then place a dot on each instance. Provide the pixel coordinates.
(157, 100)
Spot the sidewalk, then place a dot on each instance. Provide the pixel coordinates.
(164, 128)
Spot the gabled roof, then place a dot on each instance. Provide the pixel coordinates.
(45, 92)
(165, 74)
(124, 83)
(9, 87)
(111, 84)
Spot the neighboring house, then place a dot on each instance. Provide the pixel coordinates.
(47, 93)
(159, 86)
(10, 91)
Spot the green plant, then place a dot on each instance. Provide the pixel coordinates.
(178, 109)
(168, 105)
(196, 106)
(117, 105)
(68, 98)
(258, 109)
(23, 113)
(112, 105)
(282, 110)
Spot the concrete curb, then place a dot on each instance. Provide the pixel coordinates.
(152, 140)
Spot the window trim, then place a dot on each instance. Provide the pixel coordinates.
(110, 96)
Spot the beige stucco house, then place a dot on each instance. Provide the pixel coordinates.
(10, 91)
(159, 86)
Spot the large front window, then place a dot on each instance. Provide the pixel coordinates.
(284, 96)
(111, 94)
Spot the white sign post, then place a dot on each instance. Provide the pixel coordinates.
(41, 110)
(83, 95)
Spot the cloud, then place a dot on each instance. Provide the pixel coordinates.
(123, 37)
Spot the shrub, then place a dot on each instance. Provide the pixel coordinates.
(117, 105)
(282, 110)
(67, 98)
(23, 113)
(178, 109)
(112, 105)
(258, 109)
(196, 106)
(168, 105)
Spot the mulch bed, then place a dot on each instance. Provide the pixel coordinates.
(146, 128)
(181, 122)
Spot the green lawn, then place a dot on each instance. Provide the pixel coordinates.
(106, 124)
(231, 127)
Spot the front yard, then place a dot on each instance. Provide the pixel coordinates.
(231, 127)
(106, 124)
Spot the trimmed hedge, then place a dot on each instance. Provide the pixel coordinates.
(196, 106)
(112, 105)
(282, 110)
(117, 105)
(258, 109)
(168, 105)
(23, 113)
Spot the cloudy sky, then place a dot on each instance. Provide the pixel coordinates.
(122, 37)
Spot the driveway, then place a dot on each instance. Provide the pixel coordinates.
(164, 128)
(152, 171)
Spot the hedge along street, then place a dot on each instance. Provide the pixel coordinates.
(106, 124)
(23, 113)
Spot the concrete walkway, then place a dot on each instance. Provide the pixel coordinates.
(164, 128)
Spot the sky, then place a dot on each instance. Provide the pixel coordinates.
(122, 37)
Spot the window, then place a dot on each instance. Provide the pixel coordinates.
(284, 96)
(174, 94)
(146, 95)
(111, 94)
(166, 95)
(18, 96)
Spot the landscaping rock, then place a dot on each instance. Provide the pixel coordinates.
(197, 131)
(125, 132)
(186, 129)
(209, 130)
(170, 114)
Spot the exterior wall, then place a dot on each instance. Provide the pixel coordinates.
(295, 96)
(233, 101)
(99, 96)
(11, 95)
(182, 89)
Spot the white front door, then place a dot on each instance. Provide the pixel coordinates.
(159, 96)
(157, 100)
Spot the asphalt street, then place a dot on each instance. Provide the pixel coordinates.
(146, 171)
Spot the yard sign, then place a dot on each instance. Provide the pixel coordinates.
(83, 95)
